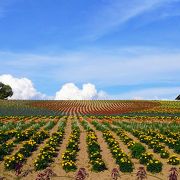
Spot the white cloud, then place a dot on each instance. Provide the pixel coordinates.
(70, 91)
(23, 88)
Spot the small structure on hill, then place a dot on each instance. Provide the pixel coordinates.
(178, 98)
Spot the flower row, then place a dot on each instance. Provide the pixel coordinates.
(136, 148)
(69, 156)
(49, 151)
(7, 148)
(171, 139)
(122, 159)
(156, 145)
(93, 148)
(138, 151)
(27, 134)
(25, 151)
(19, 127)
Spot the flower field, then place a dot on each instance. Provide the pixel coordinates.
(82, 143)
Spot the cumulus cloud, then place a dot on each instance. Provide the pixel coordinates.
(23, 88)
(70, 91)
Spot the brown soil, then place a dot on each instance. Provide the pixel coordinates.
(166, 167)
(56, 166)
(10, 175)
(83, 160)
(95, 107)
(30, 161)
(106, 156)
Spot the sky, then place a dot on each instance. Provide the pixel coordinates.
(97, 49)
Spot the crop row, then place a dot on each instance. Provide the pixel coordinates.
(69, 156)
(154, 141)
(22, 135)
(122, 159)
(93, 149)
(138, 151)
(49, 151)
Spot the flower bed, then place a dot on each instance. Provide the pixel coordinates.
(138, 151)
(26, 150)
(124, 162)
(49, 151)
(94, 150)
(69, 156)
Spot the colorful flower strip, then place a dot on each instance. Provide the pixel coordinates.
(69, 156)
(138, 151)
(7, 148)
(19, 127)
(156, 145)
(122, 159)
(93, 149)
(49, 151)
(25, 151)
(154, 140)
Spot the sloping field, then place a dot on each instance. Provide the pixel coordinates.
(85, 107)
(96, 107)
(135, 137)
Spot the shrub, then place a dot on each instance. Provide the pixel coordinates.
(125, 165)
(174, 160)
(164, 154)
(137, 149)
(145, 158)
(154, 166)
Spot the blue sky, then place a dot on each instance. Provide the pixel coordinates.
(128, 49)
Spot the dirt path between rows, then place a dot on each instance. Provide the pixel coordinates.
(10, 175)
(128, 152)
(30, 161)
(82, 156)
(83, 160)
(166, 167)
(124, 176)
(56, 165)
(106, 156)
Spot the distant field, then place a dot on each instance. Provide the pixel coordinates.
(99, 107)
(95, 135)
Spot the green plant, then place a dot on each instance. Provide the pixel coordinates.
(154, 166)
(164, 154)
(145, 158)
(174, 160)
(177, 148)
(137, 149)
(125, 165)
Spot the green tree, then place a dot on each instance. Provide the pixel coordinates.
(5, 91)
